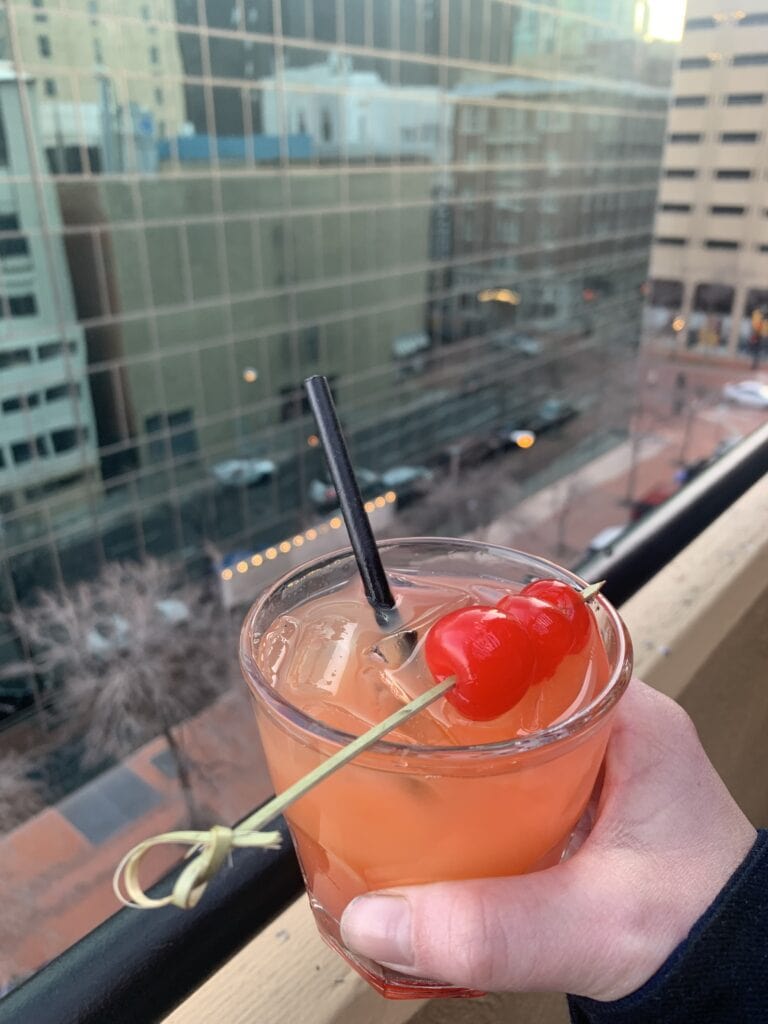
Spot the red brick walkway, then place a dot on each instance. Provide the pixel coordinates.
(56, 886)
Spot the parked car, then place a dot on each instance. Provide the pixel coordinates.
(323, 495)
(724, 446)
(750, 393)
(650, 500)
(551, 413)
(243, 472)
(408, 482)
(509, 341)
(603, 541)
(690, 470)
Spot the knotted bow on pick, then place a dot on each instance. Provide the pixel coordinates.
(213, 847)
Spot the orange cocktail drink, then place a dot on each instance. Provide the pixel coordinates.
(443, 797)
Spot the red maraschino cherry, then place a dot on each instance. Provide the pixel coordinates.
(548, 628)
(569, 602)
(491, 656)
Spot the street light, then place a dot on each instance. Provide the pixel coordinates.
(504, 295)
(523, 438)
(250, 375)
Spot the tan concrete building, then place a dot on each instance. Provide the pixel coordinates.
(709, 262)
(106, 83)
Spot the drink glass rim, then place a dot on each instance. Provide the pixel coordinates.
(580, 721)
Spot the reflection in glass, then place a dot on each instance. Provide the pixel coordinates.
(443, 205)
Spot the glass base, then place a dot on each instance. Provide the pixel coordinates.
(387, 982)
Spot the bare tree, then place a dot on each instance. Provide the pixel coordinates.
(20, 796)
(134, 652)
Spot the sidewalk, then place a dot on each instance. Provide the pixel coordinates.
(559, 521)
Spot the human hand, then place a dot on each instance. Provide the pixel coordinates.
(666, 839)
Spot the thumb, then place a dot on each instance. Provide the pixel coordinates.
(555, 930)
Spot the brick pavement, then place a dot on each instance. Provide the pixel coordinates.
(56, 885)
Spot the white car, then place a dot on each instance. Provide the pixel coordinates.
(752, 393)
(243, 472)
(522, 343)
(602, 542)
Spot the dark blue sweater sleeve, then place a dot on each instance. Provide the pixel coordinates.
(718, 975)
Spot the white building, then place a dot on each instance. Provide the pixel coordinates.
(356, 114)
(47, 432)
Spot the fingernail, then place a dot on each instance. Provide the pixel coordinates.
(379, 927)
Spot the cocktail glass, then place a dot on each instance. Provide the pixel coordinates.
(403, 814)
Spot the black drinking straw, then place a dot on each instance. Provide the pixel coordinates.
(367, 556)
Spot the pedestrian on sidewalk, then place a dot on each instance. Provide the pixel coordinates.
(762, 342)
(678, 398)
(759, 326)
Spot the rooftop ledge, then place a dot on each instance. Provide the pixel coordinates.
(700, 628)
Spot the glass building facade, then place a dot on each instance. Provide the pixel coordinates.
(445, 206)
(204, 201)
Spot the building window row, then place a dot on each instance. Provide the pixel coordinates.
(707, 298)
(19, 305)
(739, 60)
(690, 101)
(733, 174)
(729, 138)
(23, 356)
(739, 18)
(717, 211)
(30, 401)
(744, 99)
(12, 244)
(709, 243)
(745, 60)
(55, 349)
(693, 24)
(694, 63)
(739, 138)
(732, 99)
(43, 446)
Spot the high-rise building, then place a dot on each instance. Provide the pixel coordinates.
(255, 190)
(47, 438)
(709, 262)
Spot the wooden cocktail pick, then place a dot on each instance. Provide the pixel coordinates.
(210, 849)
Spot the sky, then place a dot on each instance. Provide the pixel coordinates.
(665, 18)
